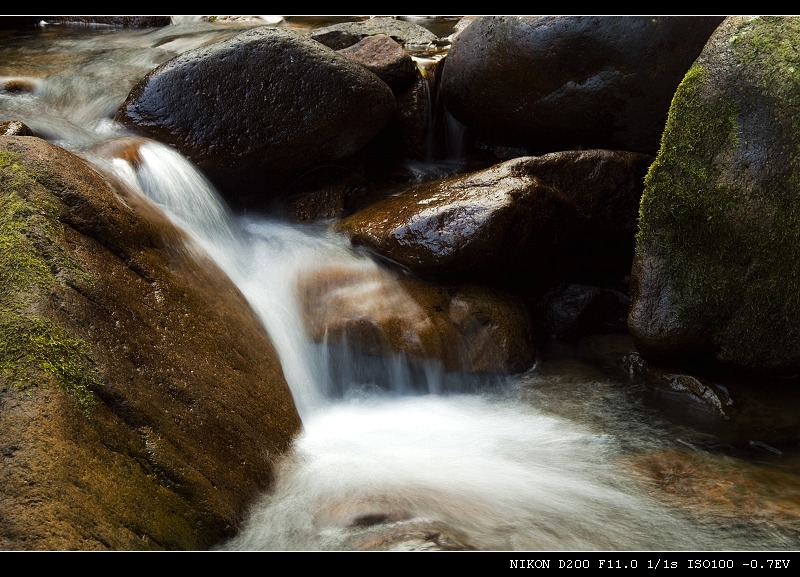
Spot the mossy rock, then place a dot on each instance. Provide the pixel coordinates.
(143, 405)
(716, 275)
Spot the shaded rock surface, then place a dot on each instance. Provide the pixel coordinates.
(564, 82)
(716, 276)
(143, 406)
(571, 310)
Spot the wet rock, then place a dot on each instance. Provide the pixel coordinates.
(460, 225)
(15, 128)
(465, 328)
(144, 406)
(259, 109)
(522, 221)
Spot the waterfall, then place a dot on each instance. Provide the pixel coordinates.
(446, 136)
(265, 258)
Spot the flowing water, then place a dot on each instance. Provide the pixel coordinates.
(546, 460)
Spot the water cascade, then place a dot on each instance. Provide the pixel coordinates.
(480, 469)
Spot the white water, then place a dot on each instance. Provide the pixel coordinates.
(533, 464)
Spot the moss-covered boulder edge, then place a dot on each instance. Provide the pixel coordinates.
(34, 349)
(716, 275)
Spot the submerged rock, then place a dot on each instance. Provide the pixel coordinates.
(470, 329)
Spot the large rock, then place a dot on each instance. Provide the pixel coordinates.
(462, 225)
(716, 276)
(570, 212)
(566, 82)
(258, 109)
(143, 406)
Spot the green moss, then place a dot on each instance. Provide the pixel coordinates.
(767, 43)
(729, 233)
(680, 185)
(684, 207)
(34, 349)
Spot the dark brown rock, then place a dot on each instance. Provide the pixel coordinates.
(143, 406)
(385, 58)
(568, 82)
(568, 213)
(460, 225)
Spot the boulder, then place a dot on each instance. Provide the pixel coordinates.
(256, 110)
(143, 405)
(716, 275)
(553, 83)
(520, 221)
